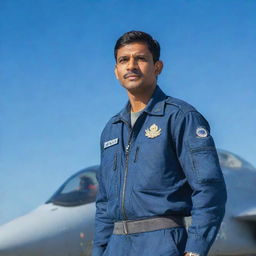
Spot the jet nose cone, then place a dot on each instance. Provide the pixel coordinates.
(20, 234)
(49, 230)
(10, 238)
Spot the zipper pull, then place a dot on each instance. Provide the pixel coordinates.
(127, 149)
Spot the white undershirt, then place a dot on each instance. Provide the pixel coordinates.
(134, 117)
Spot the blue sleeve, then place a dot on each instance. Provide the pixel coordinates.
(198, 157)
(103, 224)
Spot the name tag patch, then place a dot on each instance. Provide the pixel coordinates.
(110, 143)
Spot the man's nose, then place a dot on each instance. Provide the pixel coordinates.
(132, 64)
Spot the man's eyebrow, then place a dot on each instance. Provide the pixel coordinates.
(136, 54)
(122, 56)
(141, 55)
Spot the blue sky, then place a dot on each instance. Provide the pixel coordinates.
(57, 86)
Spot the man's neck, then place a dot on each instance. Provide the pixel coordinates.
(139, 101)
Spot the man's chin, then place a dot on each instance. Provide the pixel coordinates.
(135, 88)
(132, 86)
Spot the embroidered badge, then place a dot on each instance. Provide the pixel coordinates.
(153, 131)
(110, 143)
(201, 132)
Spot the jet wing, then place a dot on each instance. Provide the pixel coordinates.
(248, 215)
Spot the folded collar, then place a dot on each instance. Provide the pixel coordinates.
(154, 107)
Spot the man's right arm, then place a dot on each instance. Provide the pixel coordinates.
(103, 224)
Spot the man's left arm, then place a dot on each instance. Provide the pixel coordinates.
(198, 157)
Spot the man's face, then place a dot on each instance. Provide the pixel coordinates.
(135, 68)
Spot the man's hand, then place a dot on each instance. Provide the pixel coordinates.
(191, 254)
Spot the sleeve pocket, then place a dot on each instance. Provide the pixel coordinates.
(205, 160)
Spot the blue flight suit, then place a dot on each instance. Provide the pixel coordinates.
(166, 164)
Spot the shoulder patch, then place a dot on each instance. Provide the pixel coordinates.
(201, 132)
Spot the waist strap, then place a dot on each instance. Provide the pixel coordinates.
(145, 225)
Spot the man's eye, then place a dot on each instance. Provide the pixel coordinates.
(142, 58)
(123, 60)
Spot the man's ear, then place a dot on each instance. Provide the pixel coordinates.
(115, 70)
(158, 67)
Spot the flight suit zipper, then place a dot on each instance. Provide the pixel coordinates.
(125, 174)
(127, 150)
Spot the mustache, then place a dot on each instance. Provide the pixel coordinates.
(134, 72)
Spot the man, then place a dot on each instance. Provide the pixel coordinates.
(158, 164)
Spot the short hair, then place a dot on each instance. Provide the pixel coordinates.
(138, 36)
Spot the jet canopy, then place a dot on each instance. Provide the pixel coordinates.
(79, 189)
(232, 161)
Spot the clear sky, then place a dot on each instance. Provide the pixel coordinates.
(57, 86)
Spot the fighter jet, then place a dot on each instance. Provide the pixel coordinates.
(63, 226)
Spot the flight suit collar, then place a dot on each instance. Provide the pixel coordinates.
(154, 107)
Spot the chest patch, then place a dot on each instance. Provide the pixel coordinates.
(153, 131)
(110, 143)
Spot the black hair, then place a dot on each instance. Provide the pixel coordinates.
(139, 36)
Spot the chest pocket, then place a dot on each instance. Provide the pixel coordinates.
(111, 168)
(205, 160)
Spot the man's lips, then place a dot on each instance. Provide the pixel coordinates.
(131, 75)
